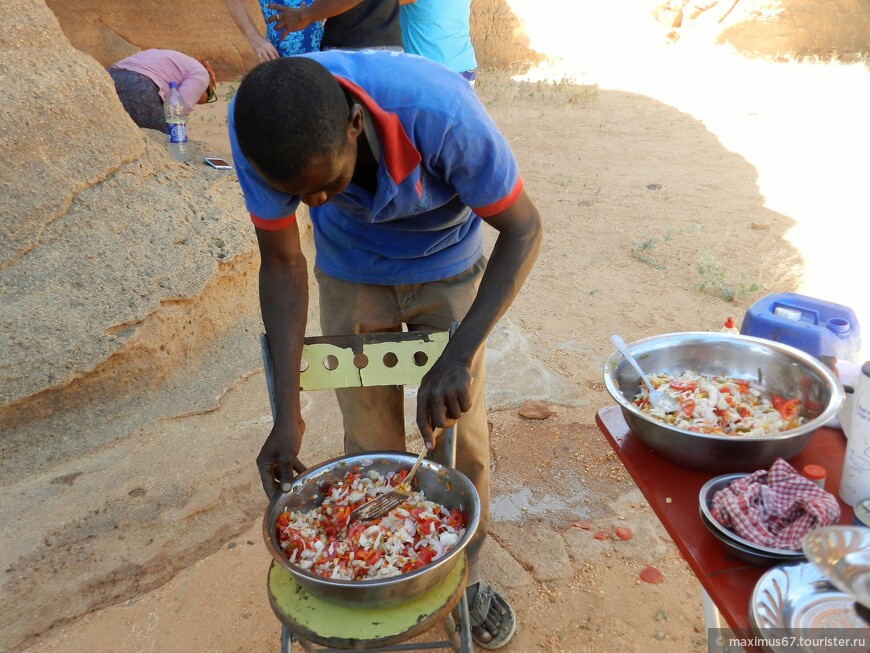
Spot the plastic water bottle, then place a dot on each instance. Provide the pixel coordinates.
(176, 124)
(855, 481)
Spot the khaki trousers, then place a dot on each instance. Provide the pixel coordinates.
(374, 416)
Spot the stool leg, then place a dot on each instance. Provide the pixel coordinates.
(467, 646)
(286, 642)
(451, 629)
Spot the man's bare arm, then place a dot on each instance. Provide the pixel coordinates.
(264, 50)
(284, 307)
(444, 391)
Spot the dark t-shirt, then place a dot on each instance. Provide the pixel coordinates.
(372, 23)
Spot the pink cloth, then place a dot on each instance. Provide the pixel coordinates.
(774, 508)
(164, 66)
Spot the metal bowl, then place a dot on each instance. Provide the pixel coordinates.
(440, 484)
(746, 554)
(739, 546)
(779, 368)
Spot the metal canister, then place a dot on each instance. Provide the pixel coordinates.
(862, 513)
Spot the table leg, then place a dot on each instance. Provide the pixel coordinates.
(713, 620)
(712, 617)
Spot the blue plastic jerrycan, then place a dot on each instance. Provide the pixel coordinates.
(820, 328)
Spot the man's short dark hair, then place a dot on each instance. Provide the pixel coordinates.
(286, 111)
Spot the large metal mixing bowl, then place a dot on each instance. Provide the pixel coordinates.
(779, 368)
(438, 483)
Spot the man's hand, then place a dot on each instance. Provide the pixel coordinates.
(288, 19)
(277, 460)
(443, 397)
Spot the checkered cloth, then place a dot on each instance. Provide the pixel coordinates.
(774, 508)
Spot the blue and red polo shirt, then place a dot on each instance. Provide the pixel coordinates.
(443, 166)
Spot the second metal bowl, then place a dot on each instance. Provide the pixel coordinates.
(779, 368)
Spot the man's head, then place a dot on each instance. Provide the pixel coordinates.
(294, 127)
(210, 94)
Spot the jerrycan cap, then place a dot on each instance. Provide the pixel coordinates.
(839, 325)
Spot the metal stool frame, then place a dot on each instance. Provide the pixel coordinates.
(458, 635)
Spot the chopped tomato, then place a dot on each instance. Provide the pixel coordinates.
(427, 526)
(787, 408)
(651, 575)
(682, 387)
(416, 512)
(623, 533)
(742, 384)
(456, 519)
(368, 556)
(688, 407)
(426, 554)
(341, 515)
(296, 541)
(355, 532)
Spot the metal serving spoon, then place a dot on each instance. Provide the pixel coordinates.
(657, 398)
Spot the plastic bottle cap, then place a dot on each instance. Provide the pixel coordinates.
(729, 322)
(814, 472)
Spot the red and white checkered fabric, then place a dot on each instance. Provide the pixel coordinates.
(774, 508)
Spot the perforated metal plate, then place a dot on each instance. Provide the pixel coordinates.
(371, 359)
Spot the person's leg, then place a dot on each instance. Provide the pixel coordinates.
(140, 98)
(373, 416)
(434, 306)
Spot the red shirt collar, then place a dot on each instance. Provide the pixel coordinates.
(400, 155)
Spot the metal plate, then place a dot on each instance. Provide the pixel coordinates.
(796, 601)
(842, 553)
(705, 498)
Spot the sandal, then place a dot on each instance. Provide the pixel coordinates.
(493, 621)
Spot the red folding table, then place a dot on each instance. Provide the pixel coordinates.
(672, 492)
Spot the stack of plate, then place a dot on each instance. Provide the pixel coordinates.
(740, 548)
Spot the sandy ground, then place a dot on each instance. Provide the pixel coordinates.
(657, 174)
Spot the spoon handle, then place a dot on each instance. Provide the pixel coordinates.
(619, 343)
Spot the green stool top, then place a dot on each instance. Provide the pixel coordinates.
(358, 628)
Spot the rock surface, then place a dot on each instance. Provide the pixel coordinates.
(129, 307)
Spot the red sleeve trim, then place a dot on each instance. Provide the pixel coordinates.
(273, 225)
(502, 204)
